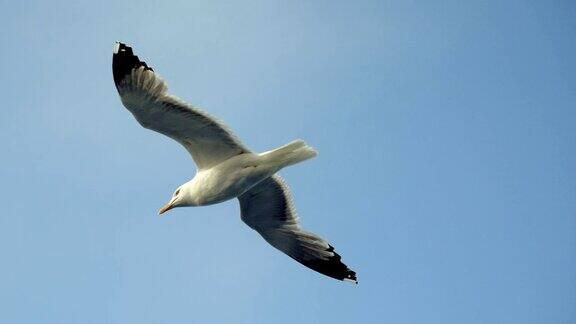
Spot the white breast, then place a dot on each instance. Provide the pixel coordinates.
(228, 180)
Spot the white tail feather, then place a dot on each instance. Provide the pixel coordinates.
(289, 154)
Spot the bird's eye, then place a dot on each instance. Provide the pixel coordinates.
(177, 192)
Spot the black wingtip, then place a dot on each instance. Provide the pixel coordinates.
(123, 61)
(350, 276)
(341, 271)
(332, 267)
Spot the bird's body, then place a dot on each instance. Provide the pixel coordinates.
(228, 179)
(238, 174)
(226, 169)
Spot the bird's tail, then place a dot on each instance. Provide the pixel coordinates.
(289, 154)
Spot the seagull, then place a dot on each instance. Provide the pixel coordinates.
(226, 168)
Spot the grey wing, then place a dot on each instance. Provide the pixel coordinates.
(145, 95)
(268, 209)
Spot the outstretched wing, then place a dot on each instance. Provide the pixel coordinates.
(146, 96)
(268, 209)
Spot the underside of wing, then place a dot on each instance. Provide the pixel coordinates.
(146, 96)
(268, 209)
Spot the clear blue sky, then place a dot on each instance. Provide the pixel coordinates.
(446, 176)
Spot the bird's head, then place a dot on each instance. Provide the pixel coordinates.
(180, 198)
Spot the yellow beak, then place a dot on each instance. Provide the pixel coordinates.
(166, 208)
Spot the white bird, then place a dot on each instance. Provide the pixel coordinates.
(226, 169)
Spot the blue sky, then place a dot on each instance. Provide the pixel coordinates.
(446, 174)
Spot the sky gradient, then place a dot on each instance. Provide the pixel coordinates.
(446, 174)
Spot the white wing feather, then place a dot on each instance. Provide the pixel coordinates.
(145, 95)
